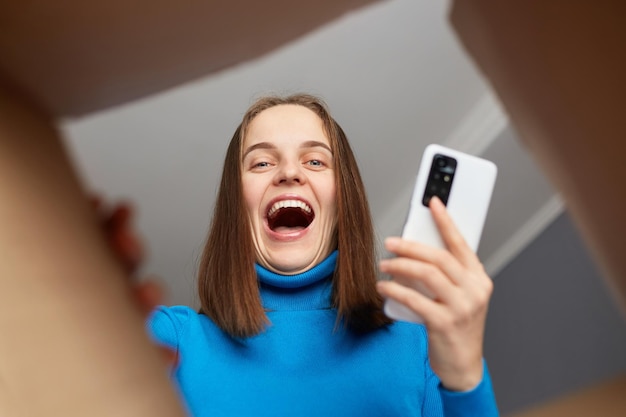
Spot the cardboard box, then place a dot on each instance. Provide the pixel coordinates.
(558, 68)
(77, 57)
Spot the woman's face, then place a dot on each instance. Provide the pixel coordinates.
(289, 188)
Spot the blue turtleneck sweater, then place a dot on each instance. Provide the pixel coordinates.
(301, 365)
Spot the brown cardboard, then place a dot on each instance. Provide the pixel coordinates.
(558, 68)
(76, 57)
(606, 399)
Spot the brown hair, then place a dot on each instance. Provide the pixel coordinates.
(227, 281)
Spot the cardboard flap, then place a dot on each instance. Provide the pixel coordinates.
(76, 57)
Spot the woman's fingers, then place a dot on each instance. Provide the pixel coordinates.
(417, 302)
(118, 230)
(116, 223)
(452, 237)
(454, 260)
(440, 258)
(455, 316)
(421, 276)
(149, 294)
(125, 242)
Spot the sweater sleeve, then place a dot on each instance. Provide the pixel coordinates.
(440, 402)
(479, 401)
(165, 324)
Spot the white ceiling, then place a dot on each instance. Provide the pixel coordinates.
(394, 77)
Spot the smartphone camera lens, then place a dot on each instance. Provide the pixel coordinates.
(440, 178)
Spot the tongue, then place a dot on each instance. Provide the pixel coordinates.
(284, 229)
(288, 220)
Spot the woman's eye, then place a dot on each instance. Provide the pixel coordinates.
(263, 164)
(316, 163)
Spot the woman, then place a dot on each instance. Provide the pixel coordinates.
(291, 321)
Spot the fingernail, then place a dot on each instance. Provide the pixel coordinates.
(436, 203)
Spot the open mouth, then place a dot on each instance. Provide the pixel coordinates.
(288, 216)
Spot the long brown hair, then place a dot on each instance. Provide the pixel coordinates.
(227, 281)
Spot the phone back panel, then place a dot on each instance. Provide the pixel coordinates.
(467, 204)
(468, 200)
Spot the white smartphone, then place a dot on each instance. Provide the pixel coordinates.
(464, 183)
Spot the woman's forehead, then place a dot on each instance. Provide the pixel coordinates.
(285, 124)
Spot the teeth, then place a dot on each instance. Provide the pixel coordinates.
(289, 203)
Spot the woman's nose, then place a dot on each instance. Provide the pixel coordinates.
(289, 173)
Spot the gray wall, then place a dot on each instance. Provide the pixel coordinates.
(553, 327)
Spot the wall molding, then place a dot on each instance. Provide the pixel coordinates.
(524, 235)
(482, 125)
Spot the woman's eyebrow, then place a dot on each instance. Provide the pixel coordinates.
(268, 145)
(260, 145)
(314, 144)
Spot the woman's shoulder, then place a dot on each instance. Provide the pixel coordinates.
(407, 329)
(177, 314)
(411, 334)
(166, 324)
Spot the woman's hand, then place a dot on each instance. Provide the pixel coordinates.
(128, 248)
(455, 316)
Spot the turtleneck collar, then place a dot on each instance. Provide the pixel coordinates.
(309, 290)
